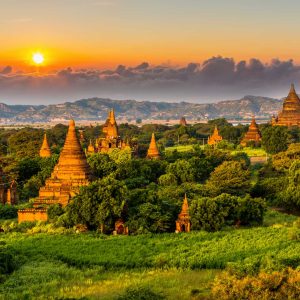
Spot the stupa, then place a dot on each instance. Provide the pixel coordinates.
(45, 150)
(153, 152)
(71, 172)
(215, 138)
(253, 134)
(183, 223)
(290, 113)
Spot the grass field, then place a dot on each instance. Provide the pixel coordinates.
(251, 152)
(175, 266)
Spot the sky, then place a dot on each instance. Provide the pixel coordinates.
(158, 50)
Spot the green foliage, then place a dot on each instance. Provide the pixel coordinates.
(101, 164)
(213, 213)
(7, 261)
(275, 285)
(182, 170)
(98, 204)
(283, 160)
(8, 212)
(25, 142)
(231, 178)
(275, 139)
(140, 293)
(54, 211)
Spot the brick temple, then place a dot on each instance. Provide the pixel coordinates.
(253, 134)
(290, 113)
(70, 173)
(215, 138)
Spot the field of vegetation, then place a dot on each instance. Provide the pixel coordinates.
(166, 266)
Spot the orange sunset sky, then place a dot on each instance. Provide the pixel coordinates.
(102, 34)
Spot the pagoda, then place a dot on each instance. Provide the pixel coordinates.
(112, 140)
(290, 113)
(45, 150)
(253, 134)
(153, 152)
(70, 173)
(215, 138)
(91, 148)
(183, 121)
(183, 223)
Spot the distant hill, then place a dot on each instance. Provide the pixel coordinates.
(97, 108)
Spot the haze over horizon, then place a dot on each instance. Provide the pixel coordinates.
(194, 51)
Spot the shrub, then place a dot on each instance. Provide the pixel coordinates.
(7, 261)
(140, 293)
(276, 285)
(213, 213)
(8, 212)
(54, 211)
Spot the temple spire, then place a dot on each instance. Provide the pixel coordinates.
(183, 223)
(112, 117)
(153, 150)
(45, 150)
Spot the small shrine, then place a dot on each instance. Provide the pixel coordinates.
(253, 134)
(215, 138)
(120, 228)
(183, 223)
(153, 152)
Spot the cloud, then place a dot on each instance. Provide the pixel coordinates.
(216, 78)
(6, 70)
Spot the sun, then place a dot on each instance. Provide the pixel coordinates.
(38, 58)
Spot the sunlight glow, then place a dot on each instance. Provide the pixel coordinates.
(38, 58)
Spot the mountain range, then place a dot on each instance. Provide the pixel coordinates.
(96, 109)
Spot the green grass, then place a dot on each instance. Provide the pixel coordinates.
(251, 152)
(183, 148)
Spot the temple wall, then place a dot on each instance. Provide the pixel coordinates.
(30, 215)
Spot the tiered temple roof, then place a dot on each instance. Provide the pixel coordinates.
(71, 172)
(290, 113)
(45, 150)
(153, 152)
(112, 140)
(215, 137)
(183, 223)
(253, 134)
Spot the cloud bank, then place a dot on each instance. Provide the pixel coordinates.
(216, 78)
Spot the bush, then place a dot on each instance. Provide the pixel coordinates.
(7, 261)
(54, 211)
(276, 285)
(8, 212)
(140, 293)
(213, 213)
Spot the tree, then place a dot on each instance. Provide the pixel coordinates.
(282, 161)
(25, 142)
(275, 139)
(101, 164)
(99, 204)
(231, 178)
(182, 170)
